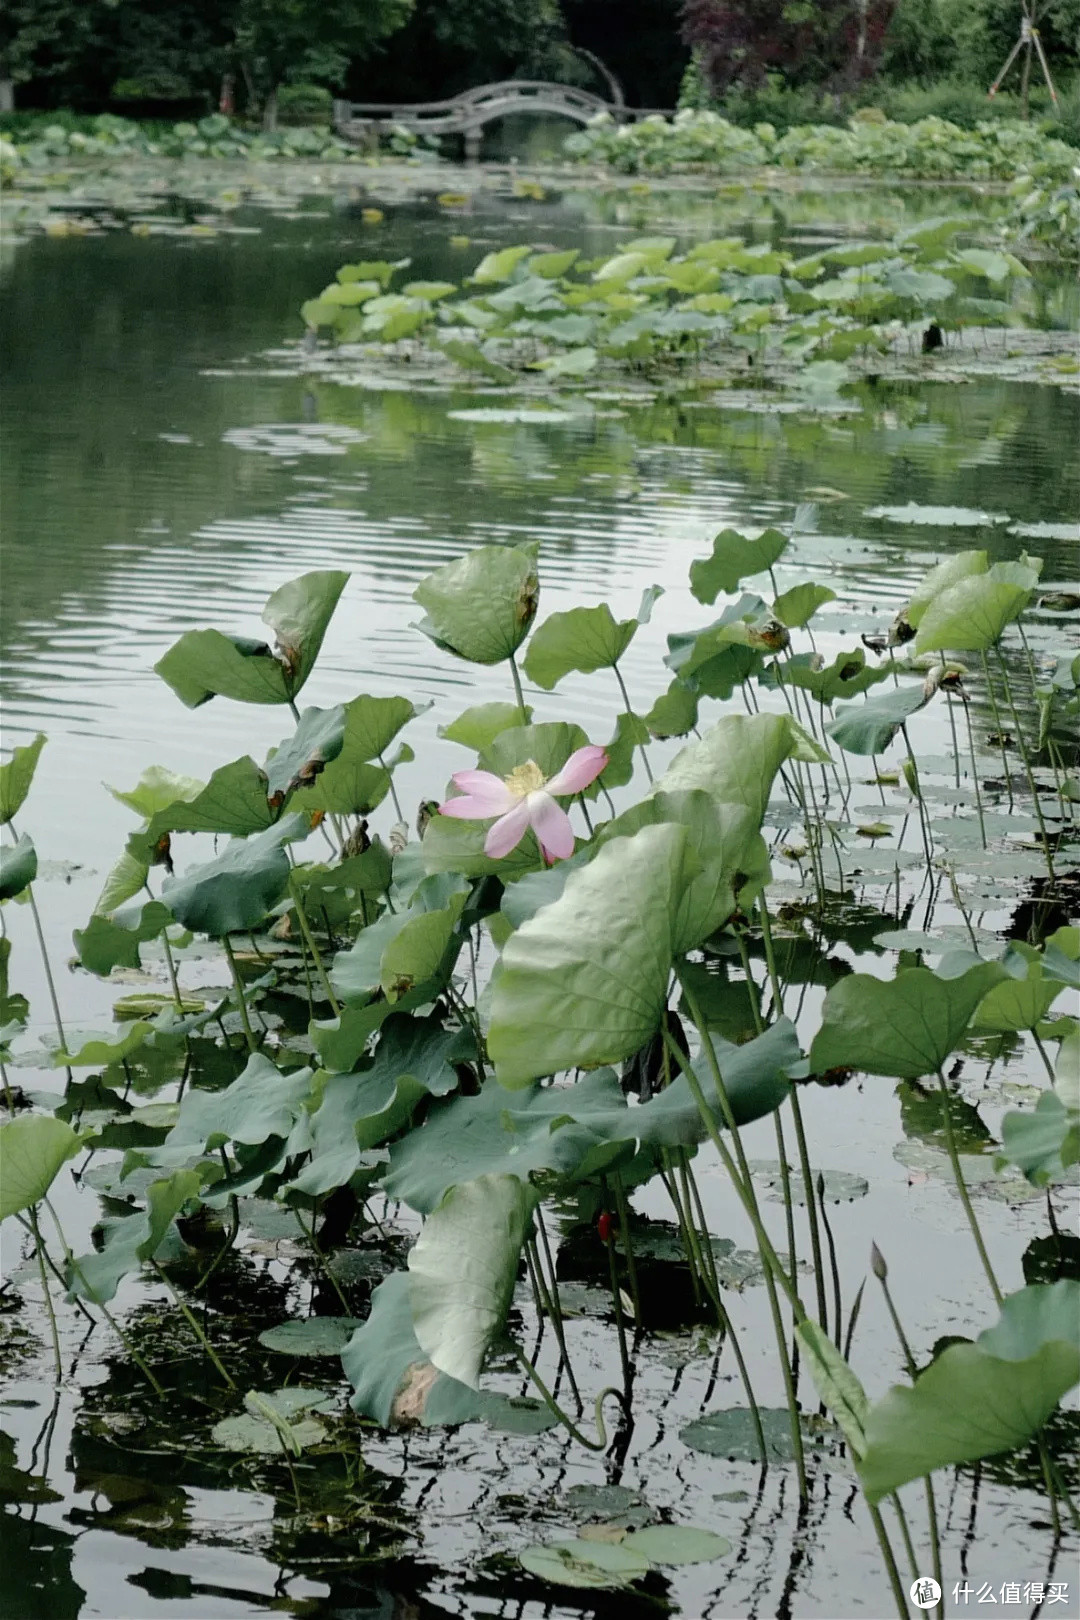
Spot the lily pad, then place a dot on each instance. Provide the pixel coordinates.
(731, 1434)
(676, 1544)
(312, 1336)
(585, 1563)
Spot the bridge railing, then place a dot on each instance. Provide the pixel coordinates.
(468, 112)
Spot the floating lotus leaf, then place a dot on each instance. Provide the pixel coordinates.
(676, 1544)
(310, 1336)
(586, 1564)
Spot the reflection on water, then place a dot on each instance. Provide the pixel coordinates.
(164, 467)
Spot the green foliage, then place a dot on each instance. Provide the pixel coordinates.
(482, 606)
(33, 1150)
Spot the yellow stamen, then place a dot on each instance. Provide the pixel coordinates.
(524, 779)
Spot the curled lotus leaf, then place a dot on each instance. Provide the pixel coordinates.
(16, 776)
(482, 605)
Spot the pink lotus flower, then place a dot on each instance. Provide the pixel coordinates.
(525, 799)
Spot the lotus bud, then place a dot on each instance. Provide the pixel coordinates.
(877, 1263)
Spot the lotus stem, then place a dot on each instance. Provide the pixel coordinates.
(881, 1272)
(600, 1443)
(518, 693)
(924, 820)
(913, 1563)
(39, 1254)
(393, 790)
(974, 771)
(1044, 1055)
(694, 1258)
(555, 1303)
(309, 939)
(320, 1260)
(620, 1320)
(113, 1323)
(629, 710)
(1021, 743)
(952, 728)
(961, 1187)
(890, 1562)
(740, 1178)
(837, 1307)
(169, 961)
(992, 695)
(193, 1324)
(623, 1207)
(249, 1033)
(49, 980)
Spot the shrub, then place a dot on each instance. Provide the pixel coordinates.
(305, 104)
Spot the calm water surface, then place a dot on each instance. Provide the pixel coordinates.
(166, 464)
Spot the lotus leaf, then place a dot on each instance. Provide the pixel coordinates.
(132, 1239)
(234, 801)
(478, 727)
(870, 726)
(840, 1390)
(961, 565)
(482, 605)
(18, 866)
(733, 558)
(905, 1027)
(381, 1355)
(238, 888)
(462, 1271)
(585, 1564)
(970, 615)
(16, 776)
(108, 942)
(976, 1400)
(676, 1544)
(33, 1149)
(310, 1336)
(317, 740)
(737, 760)
(156, 789)
(797, 606)
(1042, 1144)
(584, 639)
(584, 982)
(261, 1103)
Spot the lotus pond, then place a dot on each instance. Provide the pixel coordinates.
(636, 1177)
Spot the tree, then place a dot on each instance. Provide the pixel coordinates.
(451, 45)
(828, 42)
(277, 40)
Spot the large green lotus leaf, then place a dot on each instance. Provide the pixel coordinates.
(584, 639)
(847, 675)
(357, 972)
(422, 1049)
(1042, 1144)
(1067, 1069)
(585, 981)
(726, 841)
(351, 785)
(523, 898)
(298, 613)
(797, 606)
(870, 726)
(378, 1358)
(481, 606)
(334, 893)
(236, 890)
(372, 723)
(33, 1149)
(317, 740)
(962, 565)
(156, 789)
(978, 1400)
(452, 846)
(737, 760)
(234, 801)
(356, 1112)
(549, 745)
(733, 558)
(18, 866)
(133, 1239)
(970, 615)
(718, 657)
(260, 1103)
(478, 727)
(905, 1027)
(462, 1270)
(108, 942)
(543, 1129)
(16, 775)
(205, 664)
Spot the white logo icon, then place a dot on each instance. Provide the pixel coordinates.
(925, 1593)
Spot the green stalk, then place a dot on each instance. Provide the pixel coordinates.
(689, 1241)
(309, 938)
(169, 962)
(553, 1406)
(890, 1562)
(881, 1272)
(924, 820)
(837, 1307)
(113, 1323)
(393, 790)
(992, 695)
(974, 771)
(961, 1187)
(320, 1260)
(740, 1178)
(49, 980)
(630, 712)
(555, 1303)
(193, 1324)
(518, 693)
(1021, 742)
(39, 1252)
(620, 1320)
(249, 1034)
